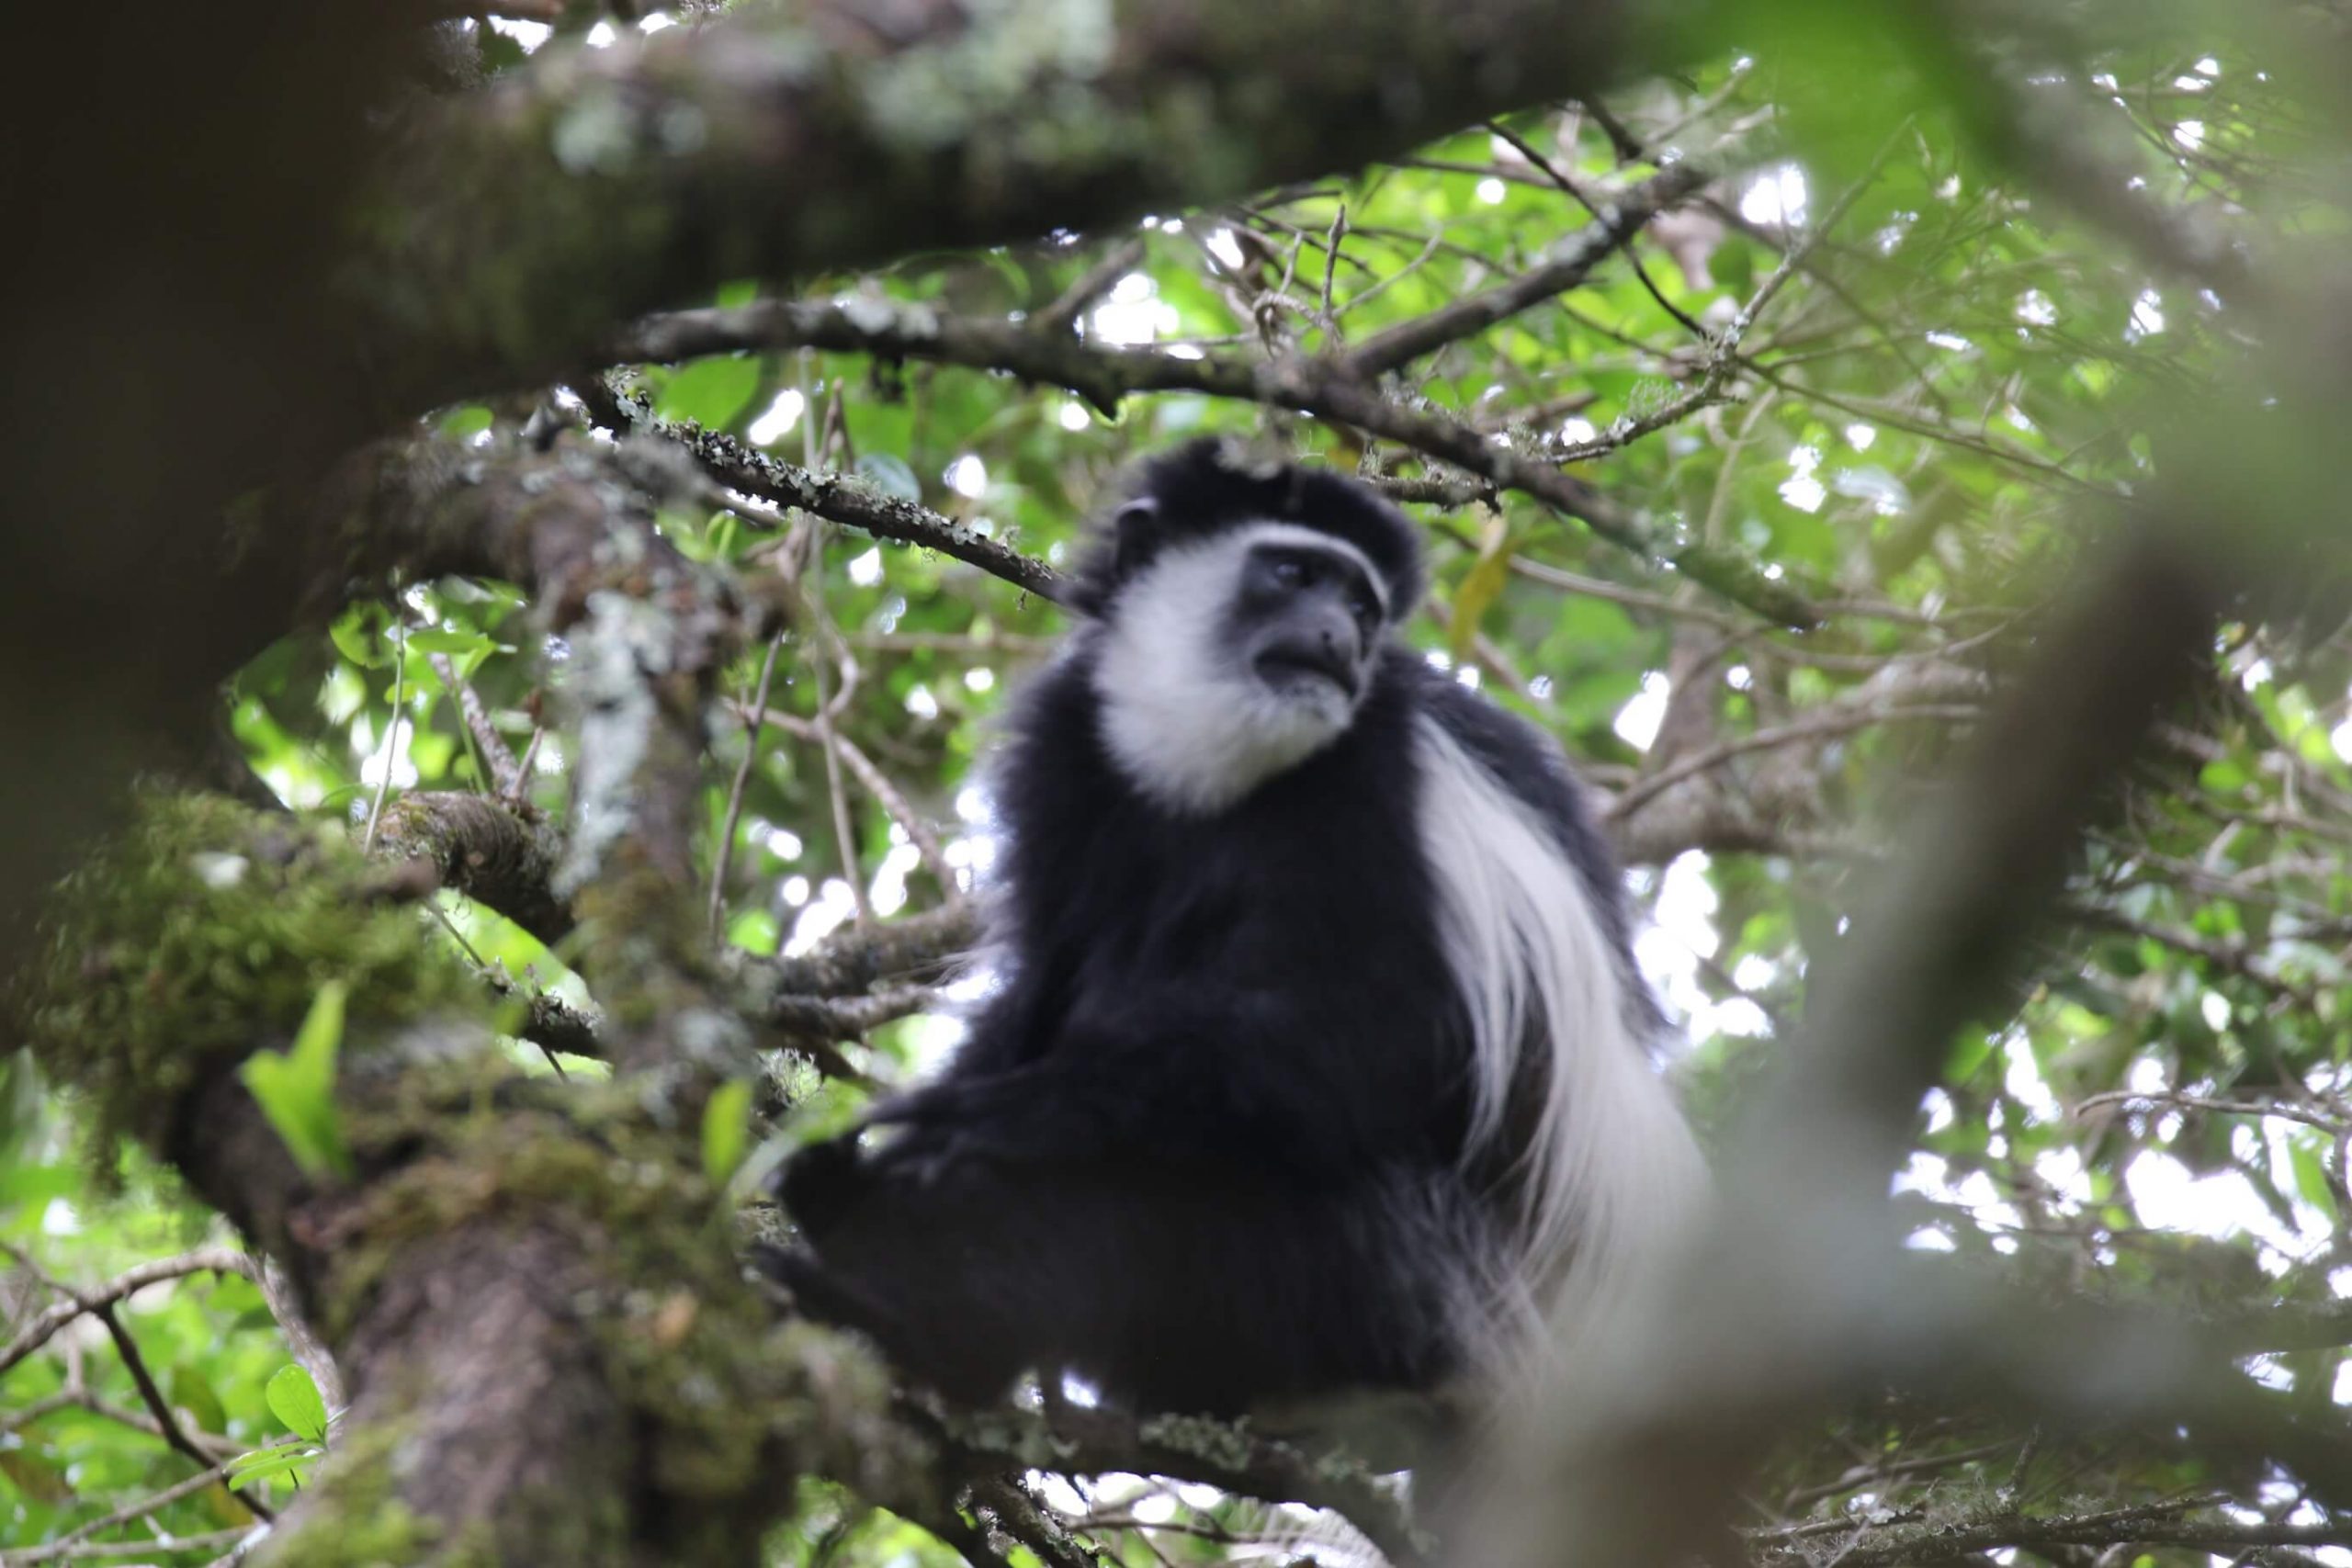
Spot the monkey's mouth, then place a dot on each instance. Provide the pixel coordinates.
(1288, 666)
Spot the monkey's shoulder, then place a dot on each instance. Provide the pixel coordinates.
(1529, 765)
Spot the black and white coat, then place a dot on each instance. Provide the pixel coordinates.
(1315, 1061)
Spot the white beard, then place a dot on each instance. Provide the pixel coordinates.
(1192, 727)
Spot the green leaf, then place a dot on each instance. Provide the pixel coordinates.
(35, 1185)
(725, 1130)
(453, 642)
(35, 1477)
(754, 931)
(711, 392)
(1968, 1053)
(2223, 775)
(1479, 588)
(296, 1090)
(262, 1463)
(294, 1399)
(2311, 1176)
(192, 1393)
(1592, 624)
(354, 633)
(499, 52)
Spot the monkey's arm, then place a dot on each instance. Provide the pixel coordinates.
(1245, 1079)
(1083, 1113)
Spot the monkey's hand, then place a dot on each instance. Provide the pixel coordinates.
(942, 1127)
(819, 1183)
(926, 1150)
(1054, 1113)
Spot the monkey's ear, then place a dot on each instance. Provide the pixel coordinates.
(1134, 534)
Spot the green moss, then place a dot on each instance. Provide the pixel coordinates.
(356, 1519)
(202, 931)
(724, 1399)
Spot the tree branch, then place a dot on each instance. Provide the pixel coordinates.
(1073, 1442)
(1615, 224)
(167, 1424)
(819, 138)
(44, 1325)
(1945, 1539)
(500, 854)
(1324, 387)
(851, 960)
(837, 498)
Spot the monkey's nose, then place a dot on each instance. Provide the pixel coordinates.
(1335, 632)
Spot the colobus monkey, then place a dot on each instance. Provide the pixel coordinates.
(1315, 1061)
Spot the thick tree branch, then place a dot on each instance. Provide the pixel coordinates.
(785, 141)
(854, 958)
(502, 856)
(1042, 349)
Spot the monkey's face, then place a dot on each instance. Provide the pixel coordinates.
(1226, 660)
(1306, 619)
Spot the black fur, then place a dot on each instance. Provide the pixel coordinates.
(1204, 1144)
(1212, 483)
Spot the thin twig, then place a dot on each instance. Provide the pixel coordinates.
(878, 785)
(99, 1550)
(1330, 269)
(753, 723)
(1614, 223)
(524, 764)
(1813, 727)
(2225, 1106)
(391, 734)
(505, 774)
(1641, 273)
(310, 1352)
(1062, 315)
(166, 1420)
(44, 1325)
(847, 1018)
(59, 1549)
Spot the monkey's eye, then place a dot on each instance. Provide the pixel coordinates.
(1367, 613)
(1289, 572)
